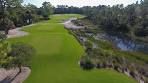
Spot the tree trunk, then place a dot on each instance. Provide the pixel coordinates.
(20, 69)
(6, 31)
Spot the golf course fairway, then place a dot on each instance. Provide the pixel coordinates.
(58, 53)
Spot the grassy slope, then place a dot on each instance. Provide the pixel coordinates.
(58, 54)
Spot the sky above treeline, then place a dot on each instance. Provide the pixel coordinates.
(80, 3)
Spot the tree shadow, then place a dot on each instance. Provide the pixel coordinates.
(9, 79)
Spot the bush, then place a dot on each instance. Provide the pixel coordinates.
(86, 63)
(46, 17)
(4, 50)
(88, 45)
(141, 32)
(36, 18)
(77, 22)
(22, 54)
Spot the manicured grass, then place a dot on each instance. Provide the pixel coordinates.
(57, 56)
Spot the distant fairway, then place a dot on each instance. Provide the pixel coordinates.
(57, 56)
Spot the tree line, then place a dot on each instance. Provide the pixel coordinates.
(64, 9)
(131, 20)
(14, 14)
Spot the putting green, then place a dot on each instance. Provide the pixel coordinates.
(57, 56)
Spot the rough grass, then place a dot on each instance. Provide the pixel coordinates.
(58, 53)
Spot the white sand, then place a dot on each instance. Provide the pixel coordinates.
(16, 33)
(69, 25)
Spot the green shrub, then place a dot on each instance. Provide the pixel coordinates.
(141, 32)
(4, 50)
(86, 63)
(46, 17)
(22, 54)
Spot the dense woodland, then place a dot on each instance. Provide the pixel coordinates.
(14, 14)
(64, 9)
(131, 20)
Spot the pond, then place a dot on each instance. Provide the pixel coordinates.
(127, 44)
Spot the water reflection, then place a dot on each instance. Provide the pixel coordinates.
(127, 44)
